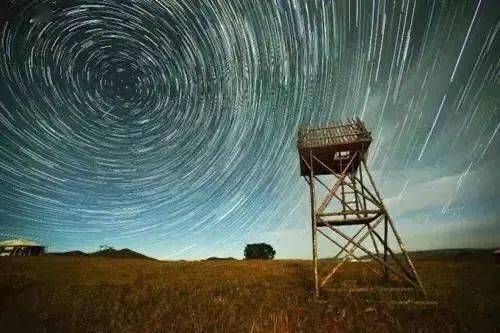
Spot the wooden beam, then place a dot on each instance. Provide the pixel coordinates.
(333, 173)
(344, 248)
(313, 226)
(349, 254)
(371, 255)
(353, 221)
(370, 290)
(329, 196)
(398, 238)
(352, 212)
(409, 303)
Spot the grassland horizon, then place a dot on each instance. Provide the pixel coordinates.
(485, 254)
(99, 294)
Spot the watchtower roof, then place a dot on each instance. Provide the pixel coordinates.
(333, 144)
(336, 133)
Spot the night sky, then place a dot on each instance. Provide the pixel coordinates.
(170, 126)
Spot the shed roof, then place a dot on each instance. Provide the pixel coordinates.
(18, 242)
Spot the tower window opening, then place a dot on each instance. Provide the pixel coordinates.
(341, 155)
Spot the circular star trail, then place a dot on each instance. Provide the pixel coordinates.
(171, 125)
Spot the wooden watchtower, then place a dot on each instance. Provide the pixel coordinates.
(334, 156)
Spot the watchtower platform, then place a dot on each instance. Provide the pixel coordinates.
(333, 145)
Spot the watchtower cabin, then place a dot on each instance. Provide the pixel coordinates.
(334, 157)
(334, 145)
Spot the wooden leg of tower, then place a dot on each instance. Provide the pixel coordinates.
(405, 253)
(315, 258)
(362, 203)
(342, 191)
(362, 188)
(390, 223)
(371, 231)
(342, 187)
(313, 228)
(386, 272)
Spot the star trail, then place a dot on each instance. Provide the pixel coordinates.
(170, 126)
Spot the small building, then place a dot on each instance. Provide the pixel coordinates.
(496, 253)
(20, 247)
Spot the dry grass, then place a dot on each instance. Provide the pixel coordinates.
(50, 294)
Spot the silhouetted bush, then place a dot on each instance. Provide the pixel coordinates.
(259, 251)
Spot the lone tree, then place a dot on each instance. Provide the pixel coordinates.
(259, 251)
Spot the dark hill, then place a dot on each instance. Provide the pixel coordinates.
(109, 253)
(68, 254)
(476, 255)
(123, 253)
(457, 255)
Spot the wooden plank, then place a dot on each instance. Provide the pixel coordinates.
(409, 303)
(370, 290)
(355, 221)
(353, 212)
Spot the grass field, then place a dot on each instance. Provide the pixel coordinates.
(61, 294)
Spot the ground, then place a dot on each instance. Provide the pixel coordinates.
(85, 294)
